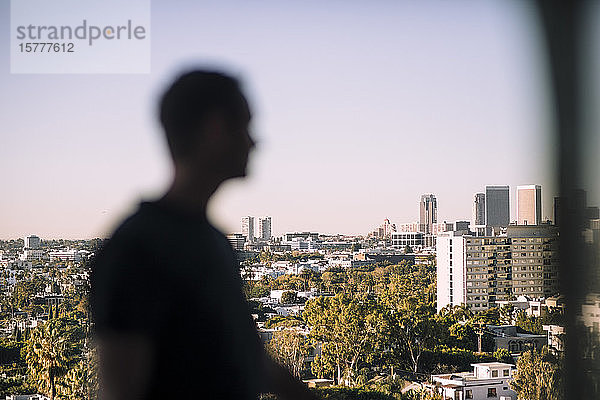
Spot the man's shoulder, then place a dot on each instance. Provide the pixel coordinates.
(132, 237)
(150, 222)
(154, 230)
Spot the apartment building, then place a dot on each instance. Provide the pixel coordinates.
(481, 271)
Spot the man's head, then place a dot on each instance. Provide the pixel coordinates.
(205, 117)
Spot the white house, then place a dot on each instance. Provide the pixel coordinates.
(26, 397)
(488, 381)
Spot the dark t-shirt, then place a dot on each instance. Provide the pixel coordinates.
(174, 279)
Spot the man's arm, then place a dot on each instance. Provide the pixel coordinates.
(126, 364)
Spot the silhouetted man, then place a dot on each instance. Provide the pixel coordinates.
(167, 300)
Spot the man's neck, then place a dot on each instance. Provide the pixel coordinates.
(191, 195)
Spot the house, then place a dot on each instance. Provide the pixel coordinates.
(507, 337)
(556, 336)
(27, 397)
(531, 307)
(590, 312)
(488, 381)
(318, 383)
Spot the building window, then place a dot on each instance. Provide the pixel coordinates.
(492, 392)
(505, 372)
(468, 394)
(495, 373)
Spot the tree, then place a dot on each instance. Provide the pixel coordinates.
(81, 381)
(506, 314)
(463, 335)
(288, 297)
(24, 294)
(407, 292)
(290, 347)
(504, 356)
(257, 289)
(352, 330)
(538, 376)
(414, 329)
(530, 324)
(52, 349)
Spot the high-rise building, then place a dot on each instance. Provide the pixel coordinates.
(264, 228)
(32, 242)
(479, 271)
(428, 212)
(461, 226)
(558, 203)
(415, 240)
(576, 202)
(497, 206)
(384, 230)
(248, 228)
(450, 255)
(237, 241)
(529, 205)
(409, 227)
(479, 209)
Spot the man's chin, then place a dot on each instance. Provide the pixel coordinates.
(237, 174)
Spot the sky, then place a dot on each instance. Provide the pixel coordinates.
(359, 108)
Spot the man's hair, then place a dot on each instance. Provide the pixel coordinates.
(190, 99)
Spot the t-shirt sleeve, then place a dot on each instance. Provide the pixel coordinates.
(125, 291)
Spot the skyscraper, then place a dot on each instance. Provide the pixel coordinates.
(428, 212)
(479, 209)
(558, 203)
(264, 228)
(248, 228)
(529, 205)
(497, 206)
(32, 242)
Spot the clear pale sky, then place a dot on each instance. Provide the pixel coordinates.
(360, 107)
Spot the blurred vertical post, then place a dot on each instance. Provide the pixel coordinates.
(562, 27)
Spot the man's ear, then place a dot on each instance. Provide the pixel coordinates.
(214, 128)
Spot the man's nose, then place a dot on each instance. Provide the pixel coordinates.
(251, 142)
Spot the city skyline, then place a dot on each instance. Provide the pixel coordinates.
(404, 100)
(250, 225)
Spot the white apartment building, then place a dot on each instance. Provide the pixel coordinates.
(67, 254)
(451, 285)
(32, 254)
(480, 271)
(307, 245)
(487, 381)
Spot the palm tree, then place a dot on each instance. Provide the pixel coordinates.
(51, 350)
